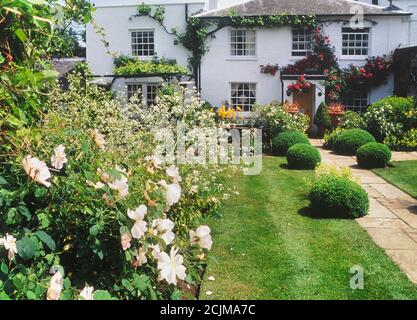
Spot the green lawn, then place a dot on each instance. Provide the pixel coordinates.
(402, 174)
(267, 247)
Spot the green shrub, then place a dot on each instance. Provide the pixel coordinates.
(352, 120)
(331, 136)
(274, 119)
(406, 142)
(322, 116)
(303, 156)
(391, 116)
(349, 141)
(333, 197)
(373, 155)
(283, 141)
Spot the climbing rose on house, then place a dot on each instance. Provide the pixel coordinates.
(37, 170)
(171, 266)
(59, 157)
(55, 286)
(139, 227)
(201, 237)
(9, 243)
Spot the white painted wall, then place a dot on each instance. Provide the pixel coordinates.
(116, 23)
(406, 5)
(219, 69)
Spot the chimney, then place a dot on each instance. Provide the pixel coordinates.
(212, 4)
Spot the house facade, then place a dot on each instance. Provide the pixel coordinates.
(230, 69)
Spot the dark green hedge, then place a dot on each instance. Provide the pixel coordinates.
(303, 156)
(373, 155)
(284, 140)
(349, 141)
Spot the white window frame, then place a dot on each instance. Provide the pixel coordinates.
(353, 102)
(300, 38)
(355, 37)
(131, 93)
(245, 107)
(233, 50)
(147, 99)
(144, 91)
(147, 53)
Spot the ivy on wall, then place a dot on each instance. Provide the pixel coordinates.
(199, 30)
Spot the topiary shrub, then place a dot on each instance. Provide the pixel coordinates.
(338, 197)
(283, 141)
(322, 116)
(303, 156)
(330, 137)
(373, 155)
(349, 141)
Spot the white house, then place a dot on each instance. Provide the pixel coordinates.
(230, 69)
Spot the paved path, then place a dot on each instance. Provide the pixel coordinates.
(392, 218)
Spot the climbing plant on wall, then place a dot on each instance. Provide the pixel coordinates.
(322, 60)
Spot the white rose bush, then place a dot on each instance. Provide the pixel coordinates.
(87, 212)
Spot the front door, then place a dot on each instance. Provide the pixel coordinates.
(305, 101)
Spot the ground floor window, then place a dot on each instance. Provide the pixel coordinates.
(148, 91)
(356, 99)
(243, 95)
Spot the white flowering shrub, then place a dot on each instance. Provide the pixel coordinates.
(391, 117)
(273, 119)
(88, 213)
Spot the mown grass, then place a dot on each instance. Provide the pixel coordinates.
(402, 174)
(268, 247)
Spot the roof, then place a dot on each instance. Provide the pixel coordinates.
(64, 65)
(300, 7)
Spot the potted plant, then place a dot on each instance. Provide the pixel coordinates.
(335, 111)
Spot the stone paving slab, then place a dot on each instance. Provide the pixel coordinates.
(403, 156)
(406, 260)
(390, 238)
(392, 218)
(388, 190)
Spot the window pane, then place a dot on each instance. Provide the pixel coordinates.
(142, 43)
(301, 42)
(243, 95)
(358, 43)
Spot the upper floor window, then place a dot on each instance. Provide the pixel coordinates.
(356, 99)
(301, 42)
(242, 42)
(355, 42)
(243, 95)
(143, 43)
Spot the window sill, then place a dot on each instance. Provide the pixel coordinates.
(242, 58)
(355, 58)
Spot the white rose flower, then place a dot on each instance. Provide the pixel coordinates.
(140, 226)
(164, 229)
(141, 256)
(56, 285)
(171, 266)
(120, 185)
(201, 237)
(59, 158)
(173, 192)
(156, 251)
(87, 293)
(99, 139)
(9, 243)
(173, 172)
(37, 170)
